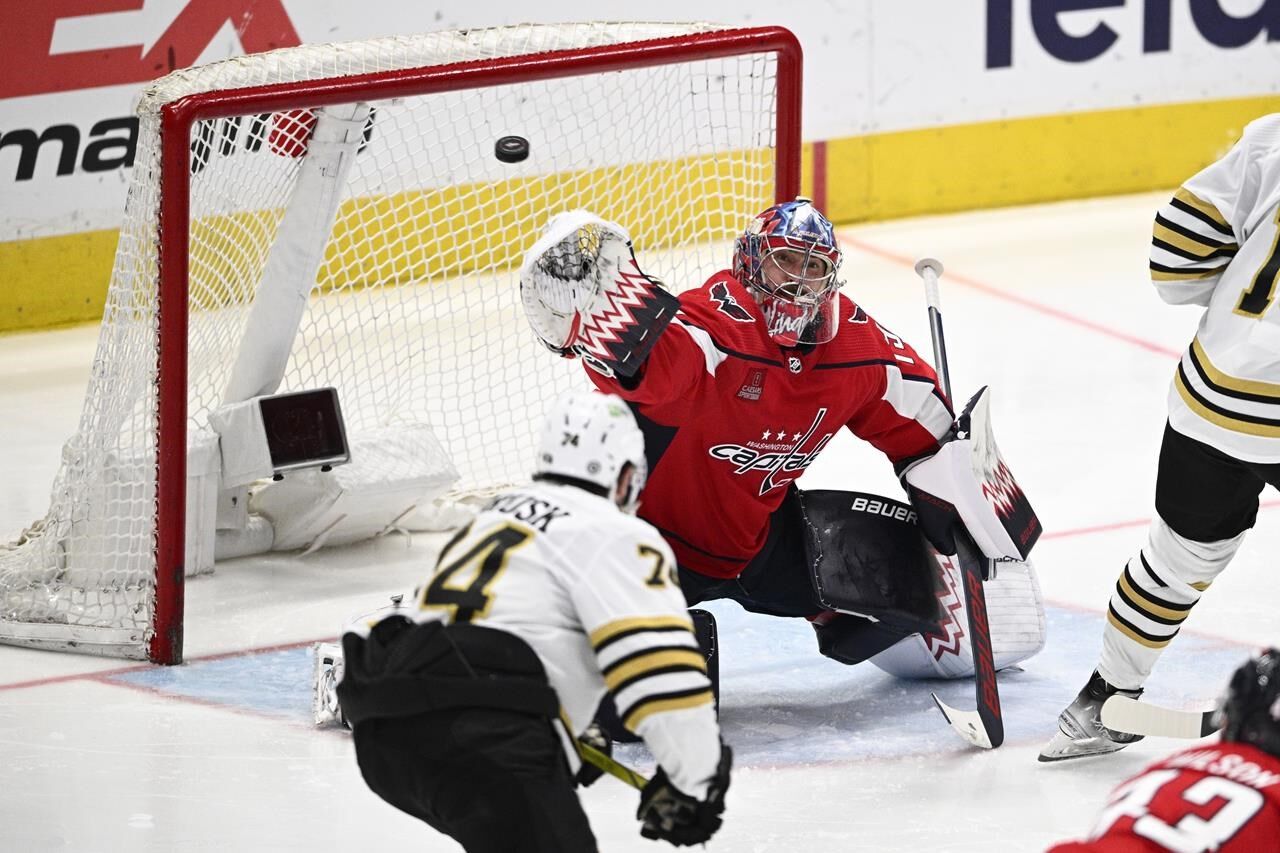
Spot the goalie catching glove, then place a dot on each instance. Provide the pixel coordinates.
(584, 295)
(967, 483)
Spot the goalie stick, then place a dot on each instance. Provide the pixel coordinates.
(983, 727)
(1142, 718)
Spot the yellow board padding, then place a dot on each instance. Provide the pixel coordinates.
(1031, 160)
(55, 281)
(456, 230)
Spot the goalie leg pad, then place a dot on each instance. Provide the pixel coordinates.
(1015, 612)
(853, 639)
(869, 559)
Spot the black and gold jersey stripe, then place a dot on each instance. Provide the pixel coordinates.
(620, 629)
(1133, 632)
(1143, 606)
(1163, 272)
(1153, 608)
(1191, 204)
(1222, 416)
(646, 663)
(1190, 240)
(640, 710)
(1185, 243)
(1227, 385)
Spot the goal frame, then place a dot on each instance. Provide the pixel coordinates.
(176, 121)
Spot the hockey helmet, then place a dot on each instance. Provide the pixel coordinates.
(789, 259)
(1250, 712)
(592, 440)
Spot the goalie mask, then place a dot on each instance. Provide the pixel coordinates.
(592, 440)
(788, 259)
(1250, 713)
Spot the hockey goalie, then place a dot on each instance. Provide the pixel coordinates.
(738, 385)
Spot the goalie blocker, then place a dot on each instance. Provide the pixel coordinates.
(585, 296)
(968, 483)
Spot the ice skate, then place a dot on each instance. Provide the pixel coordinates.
(326, 672)
(1080, 730)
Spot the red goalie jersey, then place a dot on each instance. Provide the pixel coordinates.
(1222, 798)
(731, 418)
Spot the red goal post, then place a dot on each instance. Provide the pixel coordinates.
(213, 252)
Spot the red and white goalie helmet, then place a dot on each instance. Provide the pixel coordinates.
(789, 259)
(592, 440)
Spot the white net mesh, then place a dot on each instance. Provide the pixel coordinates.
(414, 312)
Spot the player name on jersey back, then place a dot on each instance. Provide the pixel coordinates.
(534, 511)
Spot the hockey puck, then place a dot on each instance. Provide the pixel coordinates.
(511, 149)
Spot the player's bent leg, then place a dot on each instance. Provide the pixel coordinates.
(1153, 596)
(1205, 502)
(495, 781)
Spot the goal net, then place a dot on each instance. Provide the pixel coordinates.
(335, 216)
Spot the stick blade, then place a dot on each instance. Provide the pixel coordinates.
(1141, 718)
(970, 725)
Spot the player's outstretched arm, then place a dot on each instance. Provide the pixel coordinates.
(585, 296)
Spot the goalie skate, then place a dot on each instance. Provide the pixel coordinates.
(1080, 729)
(326, 672)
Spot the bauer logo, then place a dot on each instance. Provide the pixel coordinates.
(887, 508)
(1092, 30)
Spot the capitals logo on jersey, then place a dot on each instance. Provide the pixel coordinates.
(776, 453)
(727, 305)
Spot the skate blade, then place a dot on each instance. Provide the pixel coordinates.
(1063, 748)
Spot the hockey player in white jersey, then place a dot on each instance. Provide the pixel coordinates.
(1215, 244)
(465, 708)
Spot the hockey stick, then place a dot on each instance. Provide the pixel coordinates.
(985, 726)
(1142, 718)
(616, 769)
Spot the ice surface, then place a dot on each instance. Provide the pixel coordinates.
(1048, 305)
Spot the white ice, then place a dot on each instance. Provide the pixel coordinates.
(1049, 305)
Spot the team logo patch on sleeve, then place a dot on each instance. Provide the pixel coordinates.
(753, 387)
(726, 304)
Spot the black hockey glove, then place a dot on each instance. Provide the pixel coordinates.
(594, 737)
(937, 518)
(668, 814)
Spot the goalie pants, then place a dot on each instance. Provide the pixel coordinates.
(494, 780)
(779, 582)
(1206, 501)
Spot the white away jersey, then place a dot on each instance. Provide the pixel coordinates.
(594, 592)
(1215, 244)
